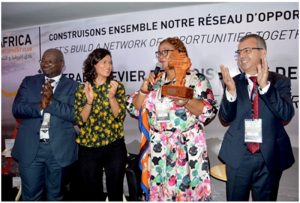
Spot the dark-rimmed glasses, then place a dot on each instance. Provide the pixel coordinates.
(162, 53)
(247, 50)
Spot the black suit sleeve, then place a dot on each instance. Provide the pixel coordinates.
(227, 112)
(24, 105)
(278, 98)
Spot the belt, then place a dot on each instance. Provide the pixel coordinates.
(44, 141)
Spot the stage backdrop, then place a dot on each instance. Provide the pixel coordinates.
(210, 32)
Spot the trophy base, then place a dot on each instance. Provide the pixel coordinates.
(177, 91)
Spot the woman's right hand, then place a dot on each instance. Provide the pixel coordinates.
(139, 98)
(89, 93)
(147, 81)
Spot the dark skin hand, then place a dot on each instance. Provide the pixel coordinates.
(47, 94)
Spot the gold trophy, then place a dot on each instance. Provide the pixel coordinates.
(181, 64)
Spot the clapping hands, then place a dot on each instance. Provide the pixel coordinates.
(47, 94)
(113, 89)
(227, 79)
(89, 93)
(262, 73)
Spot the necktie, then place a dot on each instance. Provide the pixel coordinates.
(254, 147)
(51, 82)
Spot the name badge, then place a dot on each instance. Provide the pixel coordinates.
(162, 111)
(253, 130)
(45, 126)
(46, 121)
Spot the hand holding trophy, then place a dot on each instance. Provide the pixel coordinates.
(181, 64)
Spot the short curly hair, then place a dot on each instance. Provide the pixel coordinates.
(176, 42)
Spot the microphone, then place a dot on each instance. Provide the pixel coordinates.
(156, 71)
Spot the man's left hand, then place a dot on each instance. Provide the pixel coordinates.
(262, 73)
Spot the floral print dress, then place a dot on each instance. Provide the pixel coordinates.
(178, 167)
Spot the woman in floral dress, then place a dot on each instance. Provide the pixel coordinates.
(100, 108)
(174, 159)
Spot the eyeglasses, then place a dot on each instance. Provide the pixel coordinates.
(162, 53)
(50, 63)
(247, 50)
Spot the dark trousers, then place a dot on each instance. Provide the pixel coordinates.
(44, 175)
(254, 176)
(112, 158)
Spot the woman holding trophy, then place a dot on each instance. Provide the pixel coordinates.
(173, 107)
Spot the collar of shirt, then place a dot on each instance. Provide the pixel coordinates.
(56, 79)
(248, 77)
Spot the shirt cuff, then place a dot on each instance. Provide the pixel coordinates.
(265, 89)
(229, 97)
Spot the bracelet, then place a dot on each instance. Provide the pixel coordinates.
(144, 92)
(182, 102)
(89, 104)
(186, 102)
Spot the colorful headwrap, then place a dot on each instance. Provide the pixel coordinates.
(144, 150)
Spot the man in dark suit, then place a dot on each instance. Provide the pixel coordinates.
(256, 148)
(45, 142)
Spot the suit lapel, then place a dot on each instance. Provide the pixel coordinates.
(40, 80)
(60, 86)
(243, 86)
(262, 107)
